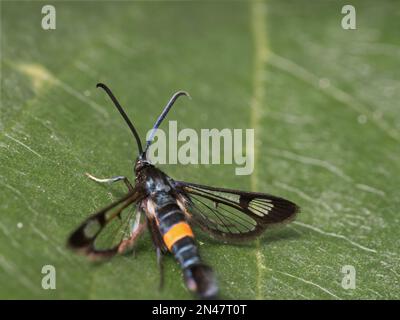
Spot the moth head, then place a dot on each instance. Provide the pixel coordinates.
(141, 163)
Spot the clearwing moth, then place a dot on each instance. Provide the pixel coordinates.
(170, 209)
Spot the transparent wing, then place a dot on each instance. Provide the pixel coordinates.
(117, 229)
(100, 234)
(233, 214)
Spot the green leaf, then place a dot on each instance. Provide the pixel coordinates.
(323, 102)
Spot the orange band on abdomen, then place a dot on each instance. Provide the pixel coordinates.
(177, 232)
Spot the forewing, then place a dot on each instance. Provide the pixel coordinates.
(93, 239)
(233, 214)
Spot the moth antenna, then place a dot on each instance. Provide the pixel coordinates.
(163, 115)
(123, 114)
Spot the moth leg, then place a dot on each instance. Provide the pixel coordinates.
(160, 264)
(128, 244)
(161, 249)
(136, 225)
(111, 180)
